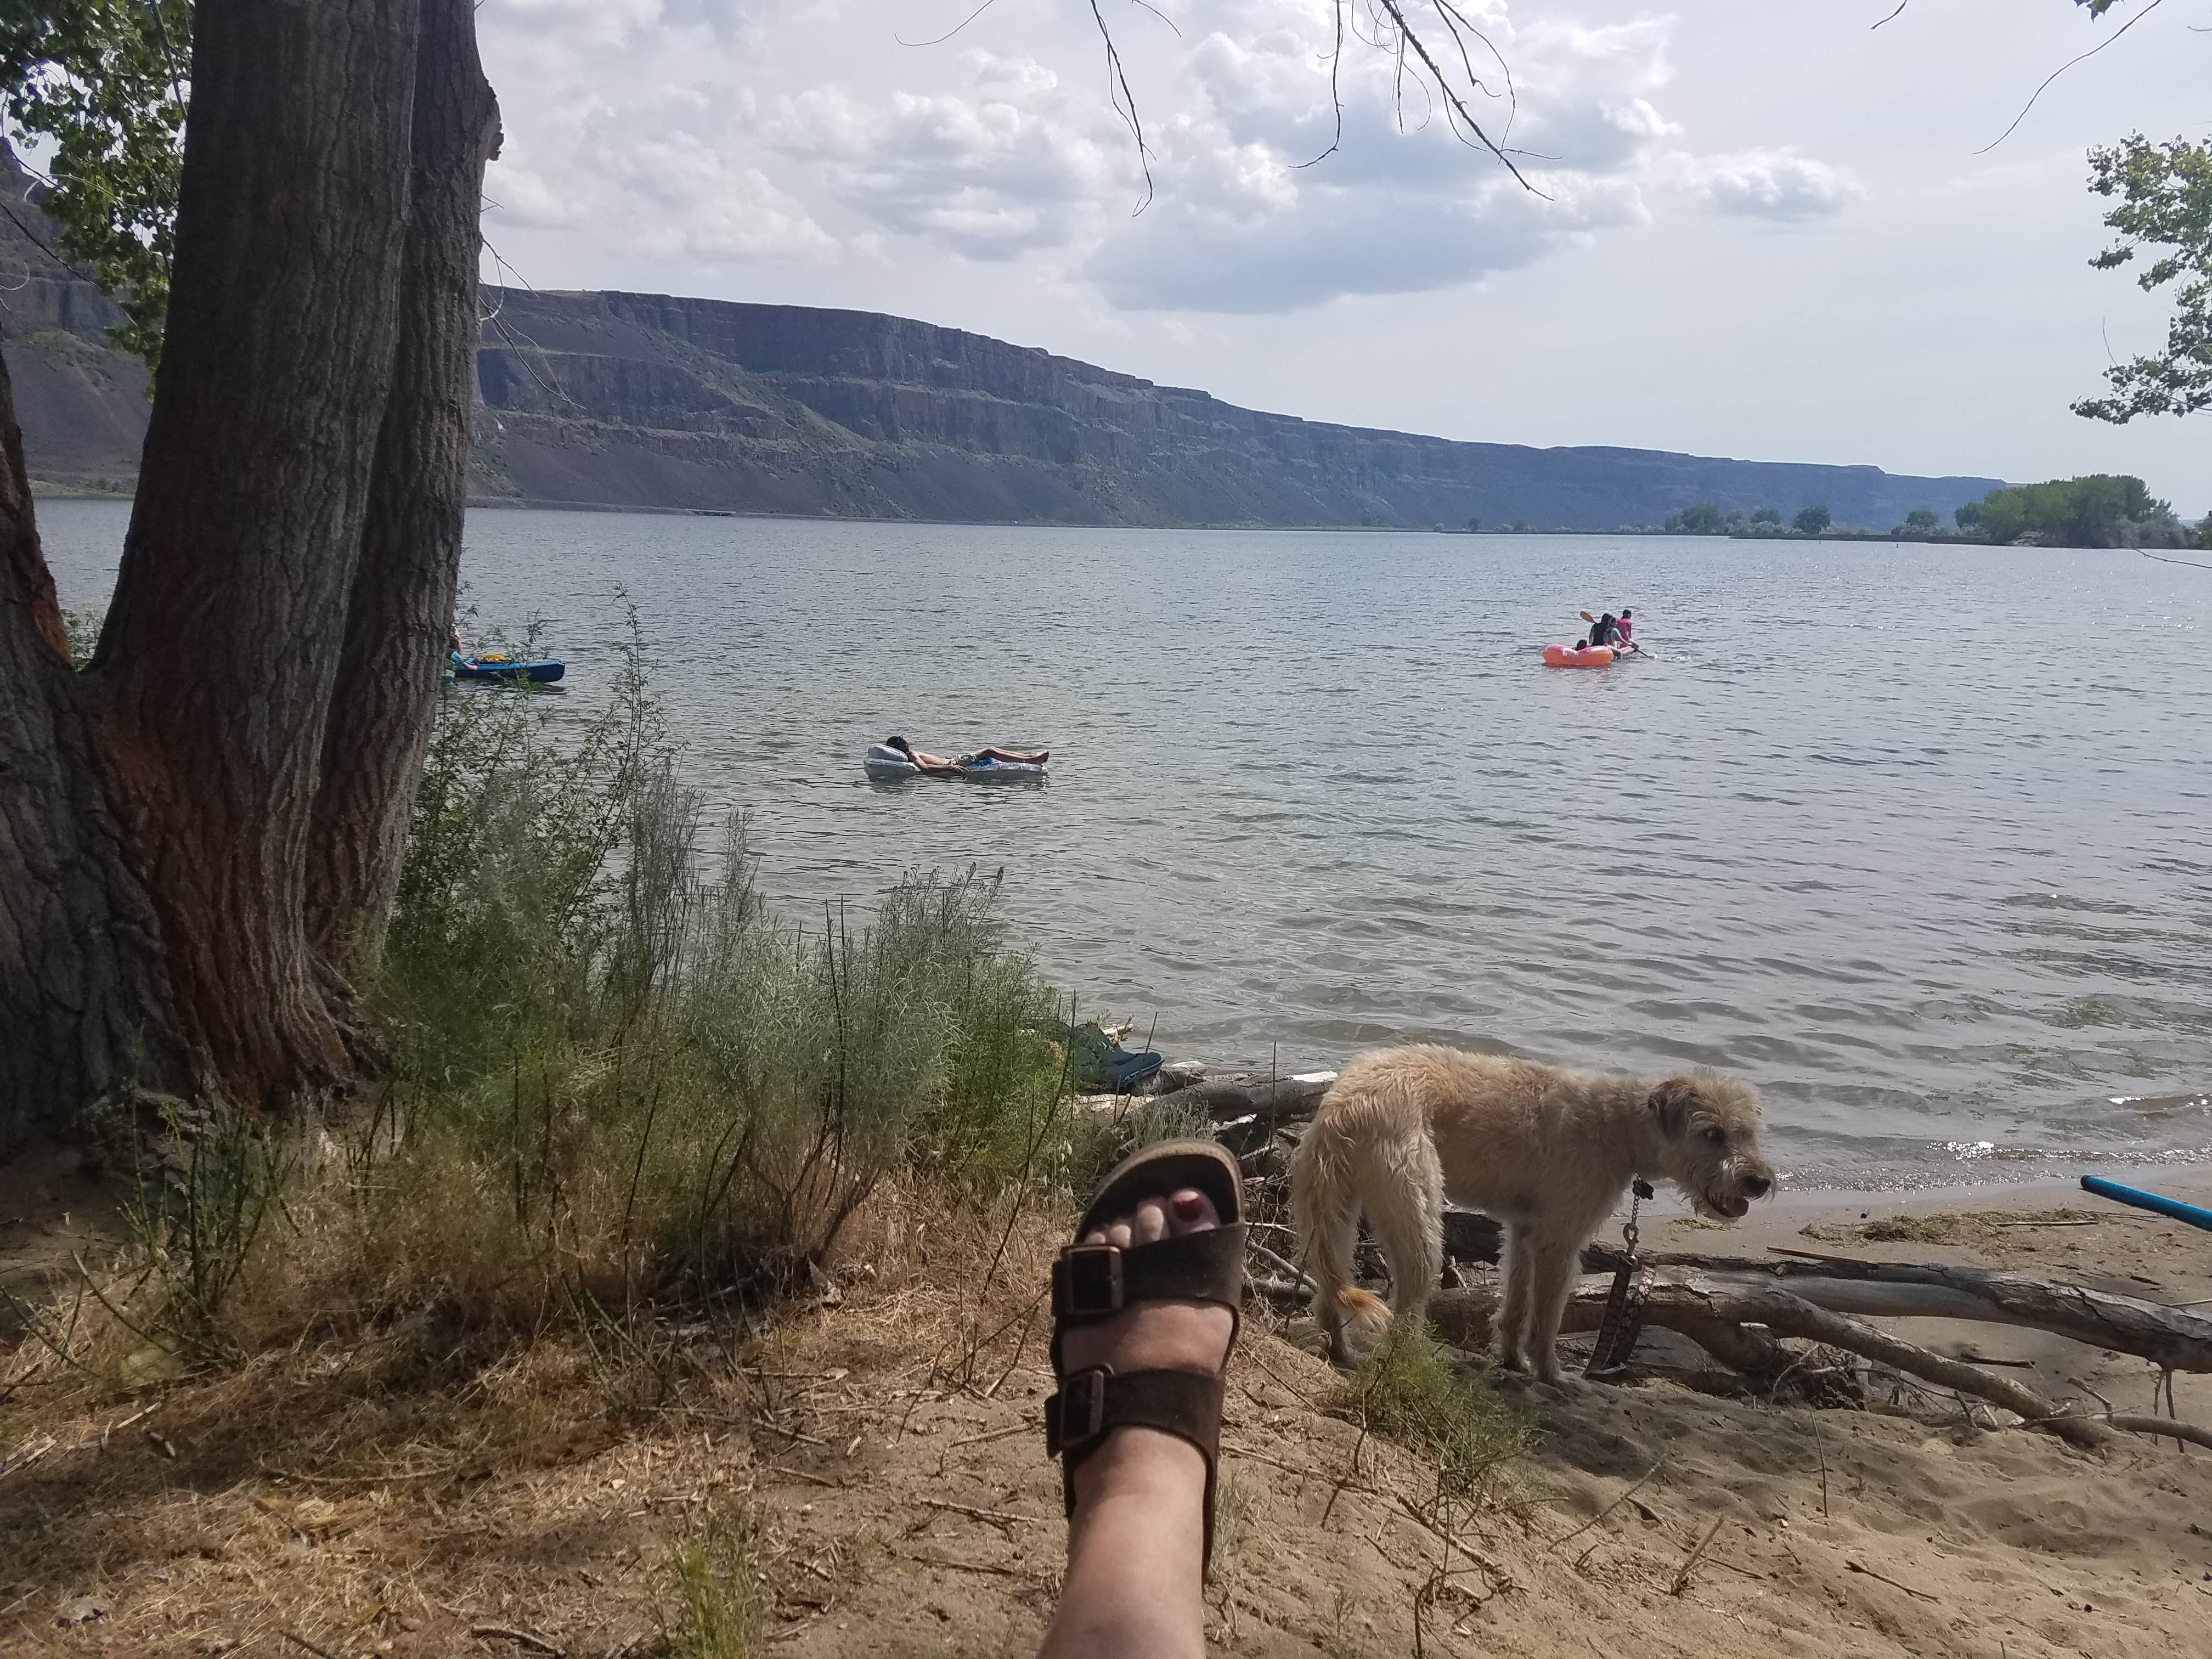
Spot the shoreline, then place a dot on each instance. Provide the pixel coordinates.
(1941, 1181)
(1800, 1206)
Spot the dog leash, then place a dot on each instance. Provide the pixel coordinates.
(1624, 1305)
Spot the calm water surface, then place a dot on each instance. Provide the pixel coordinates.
(1914, 837)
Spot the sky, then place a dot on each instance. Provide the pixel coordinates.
(1769, 231)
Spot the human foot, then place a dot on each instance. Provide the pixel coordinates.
(1144, 1309)
(1170, 1335)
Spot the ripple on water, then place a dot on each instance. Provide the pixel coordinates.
(1312, 792)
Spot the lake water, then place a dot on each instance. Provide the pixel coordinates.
(1914, 837)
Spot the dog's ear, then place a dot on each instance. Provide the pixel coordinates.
(1670, 1104)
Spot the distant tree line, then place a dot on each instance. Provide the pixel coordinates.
(1704, 518)
(2099, 510)
(2103, 509)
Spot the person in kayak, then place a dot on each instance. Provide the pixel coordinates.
(929, 763)
(1625, 630)
(1601, 631)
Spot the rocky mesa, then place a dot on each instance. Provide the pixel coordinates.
(641, 400)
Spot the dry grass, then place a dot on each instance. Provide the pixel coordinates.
(405, 1485)
(1444, 1410)
(1960, 1227)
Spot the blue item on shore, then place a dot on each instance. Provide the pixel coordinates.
(2195, 1214)
(512, 670)
(1097, 1061)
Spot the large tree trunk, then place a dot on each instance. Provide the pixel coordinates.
(410, 555)
(168, 846)
(84, 992)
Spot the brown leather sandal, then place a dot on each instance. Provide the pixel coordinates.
(1094, 1282)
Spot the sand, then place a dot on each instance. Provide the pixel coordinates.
(906, 1507)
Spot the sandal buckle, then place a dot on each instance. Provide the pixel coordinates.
(1077, 1414)
(1086, 1282)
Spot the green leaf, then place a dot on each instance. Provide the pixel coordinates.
(102, 83)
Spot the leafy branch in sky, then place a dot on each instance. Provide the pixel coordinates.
(2164, 195)
(103, 84)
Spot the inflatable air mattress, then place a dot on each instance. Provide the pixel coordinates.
(885, 761)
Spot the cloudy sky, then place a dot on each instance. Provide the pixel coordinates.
(1766, 230)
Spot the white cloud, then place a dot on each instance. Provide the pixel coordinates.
(1340, 242)
(1008, 165)
(1404, 203)
(1002, 159)
(673, 177)
(619, 23)
(1766, 185)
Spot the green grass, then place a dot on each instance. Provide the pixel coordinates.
(1444, 1410)
(1099, 1140)
(710, 1605)
(81, 625)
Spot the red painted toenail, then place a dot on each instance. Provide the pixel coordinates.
(1189, 1206)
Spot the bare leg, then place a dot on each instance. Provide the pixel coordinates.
(1136, 1544)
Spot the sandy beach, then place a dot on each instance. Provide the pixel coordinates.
(905, 1505)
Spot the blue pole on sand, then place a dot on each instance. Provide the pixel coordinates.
(2195, 1215)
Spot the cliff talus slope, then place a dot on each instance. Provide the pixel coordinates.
(642, 400)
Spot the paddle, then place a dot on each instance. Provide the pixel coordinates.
(1631, 645)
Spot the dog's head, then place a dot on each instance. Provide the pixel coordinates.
(1709, 1133)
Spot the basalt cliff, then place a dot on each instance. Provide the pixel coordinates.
(642, 400)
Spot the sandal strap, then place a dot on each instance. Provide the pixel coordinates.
(1091, 1404)
(1091, 1282)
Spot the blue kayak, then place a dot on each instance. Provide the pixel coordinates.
(514, 670)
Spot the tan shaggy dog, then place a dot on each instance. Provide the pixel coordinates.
(1546, 1151)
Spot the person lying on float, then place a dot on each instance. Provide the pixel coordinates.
(940, 765)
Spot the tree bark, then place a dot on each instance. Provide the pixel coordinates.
(84, 994)
(221, 650)
(172, 859)
(401, 606)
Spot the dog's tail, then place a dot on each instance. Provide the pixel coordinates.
(1325, 1205)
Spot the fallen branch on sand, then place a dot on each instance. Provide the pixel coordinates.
(1714, 1312)
(2168, 1337)
(2161, 1428)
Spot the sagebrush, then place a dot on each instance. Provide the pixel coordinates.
(616, 1074)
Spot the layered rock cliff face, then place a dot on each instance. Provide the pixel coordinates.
(641, 400)
(83, 407)
(633, 398)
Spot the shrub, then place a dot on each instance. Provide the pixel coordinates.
(711, 1606)
(81, 625)
(615, 1075)
(1445, 1410)
(663, 1081)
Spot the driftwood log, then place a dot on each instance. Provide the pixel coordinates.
(1714, 1313)
(2171, 1338)
(1268, 1100)
(2160, 1428)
